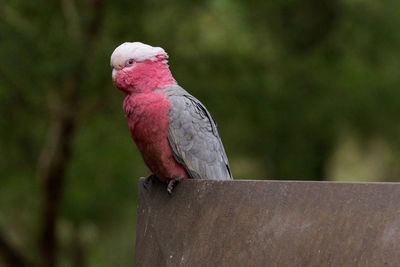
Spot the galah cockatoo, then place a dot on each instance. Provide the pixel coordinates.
(174, 132)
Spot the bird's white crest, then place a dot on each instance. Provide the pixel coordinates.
(137, 51)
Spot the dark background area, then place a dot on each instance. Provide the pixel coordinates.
(305, 90)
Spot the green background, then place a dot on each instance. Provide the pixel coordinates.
(305, 90)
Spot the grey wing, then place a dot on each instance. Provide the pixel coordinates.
(194, 139)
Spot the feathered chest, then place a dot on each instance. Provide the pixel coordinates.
(148, 116)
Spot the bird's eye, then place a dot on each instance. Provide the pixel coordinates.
(129, 62)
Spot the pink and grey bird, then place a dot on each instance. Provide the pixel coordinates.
(174, 132)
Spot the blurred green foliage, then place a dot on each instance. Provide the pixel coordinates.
(285, 80)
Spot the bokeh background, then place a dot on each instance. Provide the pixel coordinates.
(305, 90)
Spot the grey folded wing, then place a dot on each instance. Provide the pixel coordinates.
(194, 139)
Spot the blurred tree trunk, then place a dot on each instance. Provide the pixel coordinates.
(56, 152)
(52, 165)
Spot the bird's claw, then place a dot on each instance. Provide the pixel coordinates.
(149, 180)
(172, 183)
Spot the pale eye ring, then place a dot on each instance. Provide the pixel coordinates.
(129, 62)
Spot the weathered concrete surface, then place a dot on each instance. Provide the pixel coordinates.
(269, 223)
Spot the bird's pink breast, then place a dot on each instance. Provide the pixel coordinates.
(148, 121)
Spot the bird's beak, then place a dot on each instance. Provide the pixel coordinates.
(114, 73)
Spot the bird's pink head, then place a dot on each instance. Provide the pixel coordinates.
(140, 68)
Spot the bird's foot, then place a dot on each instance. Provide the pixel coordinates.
(172, 182)
(149, 180)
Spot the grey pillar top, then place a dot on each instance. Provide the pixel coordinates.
(268, 223)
